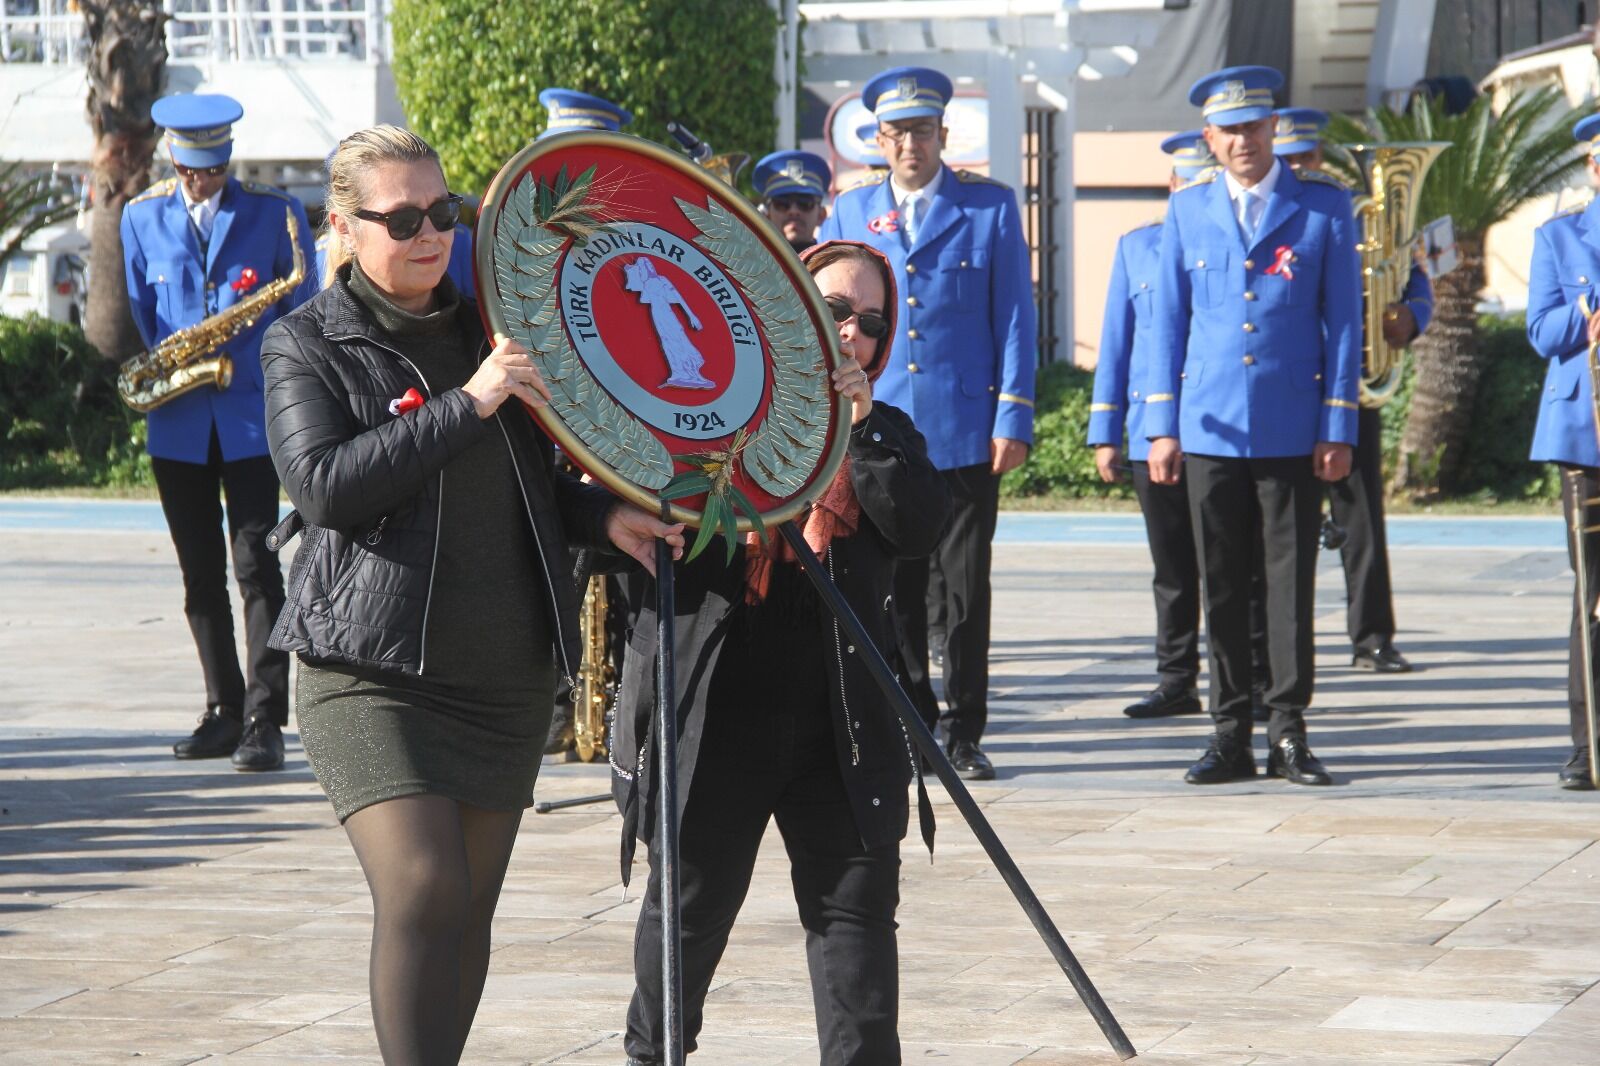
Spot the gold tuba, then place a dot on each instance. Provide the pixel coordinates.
(1386, 210)
(189, 358)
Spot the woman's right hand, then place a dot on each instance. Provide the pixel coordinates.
(507, 372)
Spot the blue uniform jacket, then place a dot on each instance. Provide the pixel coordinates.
(1125, 344)
(1256, 352)
(171, 287)
(460, 268)
(1418, 295)
(1566, 266)
(964, 352)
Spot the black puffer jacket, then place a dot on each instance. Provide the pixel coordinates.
(366, 486)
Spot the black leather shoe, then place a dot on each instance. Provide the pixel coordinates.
(1574, 776)
(1165, 701)
(1291, 760)
(1333, 535)
(1223, 761)
(1386, 660)
(261, 747)
(216, 735)
(970, 761)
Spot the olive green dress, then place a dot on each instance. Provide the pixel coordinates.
(471, 727)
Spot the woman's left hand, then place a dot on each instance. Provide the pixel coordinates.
(636, 531)
(851, 381)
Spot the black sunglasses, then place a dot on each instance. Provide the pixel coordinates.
(210, 172)
(406, 222)
(873, 326)
(794, 203)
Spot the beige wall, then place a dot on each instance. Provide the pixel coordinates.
(1107, 161)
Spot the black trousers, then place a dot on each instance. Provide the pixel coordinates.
(1242, 510)
(1356, 504)
(1581, 483)
(963, 558)
(1170, 531)
(191, 500)
(763, 755)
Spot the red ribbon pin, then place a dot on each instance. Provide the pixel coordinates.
(409, 402)
(889, 223)
(246, 281)
(1280, 262)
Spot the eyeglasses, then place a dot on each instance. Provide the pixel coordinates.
(406, 222)
(210, 172)
(922, 131)
(870, 325)
(794, 203)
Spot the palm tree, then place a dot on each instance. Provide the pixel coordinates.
(1496, 164)
(28, 203)
(127, 62)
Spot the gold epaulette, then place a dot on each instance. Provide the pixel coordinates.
(967, 177)
(324, 240)
(1576, 209)
(1147, 225)
(875, 176)
(161, 188)
(266, 190)
(1205, 178)
(1321, 178)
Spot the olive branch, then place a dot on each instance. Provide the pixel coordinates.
(711, 472)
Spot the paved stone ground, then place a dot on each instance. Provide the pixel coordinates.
(1439, 906)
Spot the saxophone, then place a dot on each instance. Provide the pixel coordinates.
(1386, 210)
(597, 675)
(189, 358)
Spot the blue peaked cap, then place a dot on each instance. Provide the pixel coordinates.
(1587, 131)
(907, 92)
(1298, 129)
(792, 174)
(1191, 156)
(199, 127)
(572, 111)
(1235, 94)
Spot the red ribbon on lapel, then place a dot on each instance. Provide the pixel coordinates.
(247, 280)
(1280, 262)
(409, 402)
(889, 223)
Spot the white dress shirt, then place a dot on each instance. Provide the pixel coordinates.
(204, 213)
(1250, 204)
(913, 204)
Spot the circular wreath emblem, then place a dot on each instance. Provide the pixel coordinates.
(687, 351)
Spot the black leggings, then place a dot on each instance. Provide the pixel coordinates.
(435, 867)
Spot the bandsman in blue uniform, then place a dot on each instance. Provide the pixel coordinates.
(571, 111)
(1565, 271)
(962, 366)
(791, 186)
(1118, 403)
(193, 246)
(1252, 397)
(1356, 526)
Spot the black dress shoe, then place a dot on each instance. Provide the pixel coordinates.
(970, 761)
(1574, 776)
(1333, 535)
(1165, 701)
(261, 747)
(1291, 760)
(1223, 761)
(217, 735)
(1385, 659)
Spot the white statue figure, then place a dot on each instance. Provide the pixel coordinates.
(660, 295)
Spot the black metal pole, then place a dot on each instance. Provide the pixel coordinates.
(665, 847)
(919, 732)
(547, 806)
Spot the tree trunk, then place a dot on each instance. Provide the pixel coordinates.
(1448, 366)
(126, 65)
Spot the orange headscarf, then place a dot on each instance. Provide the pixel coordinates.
(837, 513)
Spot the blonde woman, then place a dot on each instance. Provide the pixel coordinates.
(428, 602)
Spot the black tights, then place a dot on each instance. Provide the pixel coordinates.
(434, 867)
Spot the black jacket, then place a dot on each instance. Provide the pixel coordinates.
(366, 486)
(904, 508)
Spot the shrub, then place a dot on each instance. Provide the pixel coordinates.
(1494, 461)
(61, 421)
(1061, 464)
(469, 72)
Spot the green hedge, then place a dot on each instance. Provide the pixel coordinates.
(61, 422)
(469, 72)
(1494, 467)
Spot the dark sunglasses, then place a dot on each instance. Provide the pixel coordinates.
(406, 222)
(794, 203)
(870, 325)
(210, 172)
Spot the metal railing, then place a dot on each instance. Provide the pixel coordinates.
(52, 31)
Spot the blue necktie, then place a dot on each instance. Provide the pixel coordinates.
(908, 223)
